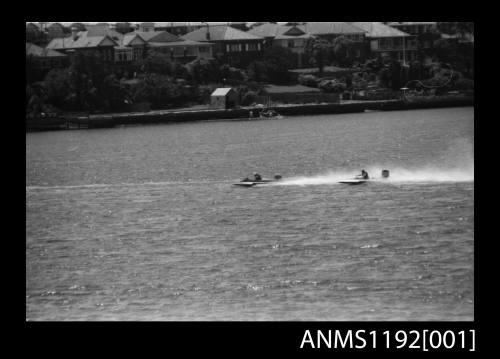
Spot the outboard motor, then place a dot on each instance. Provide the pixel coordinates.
(385, 173)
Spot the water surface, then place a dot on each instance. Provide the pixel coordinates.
(142, 223)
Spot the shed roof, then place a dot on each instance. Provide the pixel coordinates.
(222, 91)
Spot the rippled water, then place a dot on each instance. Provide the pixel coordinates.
(142, 223)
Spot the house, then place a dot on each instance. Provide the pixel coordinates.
(223, 98)
(130, 47)
(55, 30)
(179, 49)
(182, 28)
(45, 59)
(233, 46)
(419, 30)
(414, 28)
(86, 41)
(136, 43)
(332, 30)
(291, 37)
(387, 41)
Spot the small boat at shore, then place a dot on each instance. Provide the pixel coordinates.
(268, 113)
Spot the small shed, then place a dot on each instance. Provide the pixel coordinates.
(223, 98)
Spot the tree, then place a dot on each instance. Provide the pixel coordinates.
(257, 71)
(156, 62)
(278, 60)
(249, 98)
(397, 77)
(460, 28)
(319, 49)
(123, 27)
(203, 71)
(31, 73)
(58, 89)
(86, 74)
(160, 90)
(113, 93)
(341, 46)
(447, 50)
(231, 75)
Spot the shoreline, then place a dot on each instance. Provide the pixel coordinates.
(239, 114)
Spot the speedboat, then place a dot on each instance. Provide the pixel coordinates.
(360, 180)
(250, 183)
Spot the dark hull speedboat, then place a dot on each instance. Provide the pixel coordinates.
(249, 183)
(354, 181)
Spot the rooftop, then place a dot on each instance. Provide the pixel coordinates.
(377, 29)
(279, 31)
(82, 40)
(219, 33)
(157, 36)
(34, 50)
(333, 28)
(221, 91)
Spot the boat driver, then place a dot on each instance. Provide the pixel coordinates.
(364, 175)
(257, 177)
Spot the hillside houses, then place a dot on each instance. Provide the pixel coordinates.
(291, 37)
(122, 48)
(385, 40)
(233, 46)
(124, 43)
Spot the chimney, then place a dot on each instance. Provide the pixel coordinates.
(74, 33)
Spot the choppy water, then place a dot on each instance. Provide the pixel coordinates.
(142, 223)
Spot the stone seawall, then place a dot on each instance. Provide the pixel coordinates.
(107, 121)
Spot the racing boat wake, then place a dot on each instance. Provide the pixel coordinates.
(397, 175)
